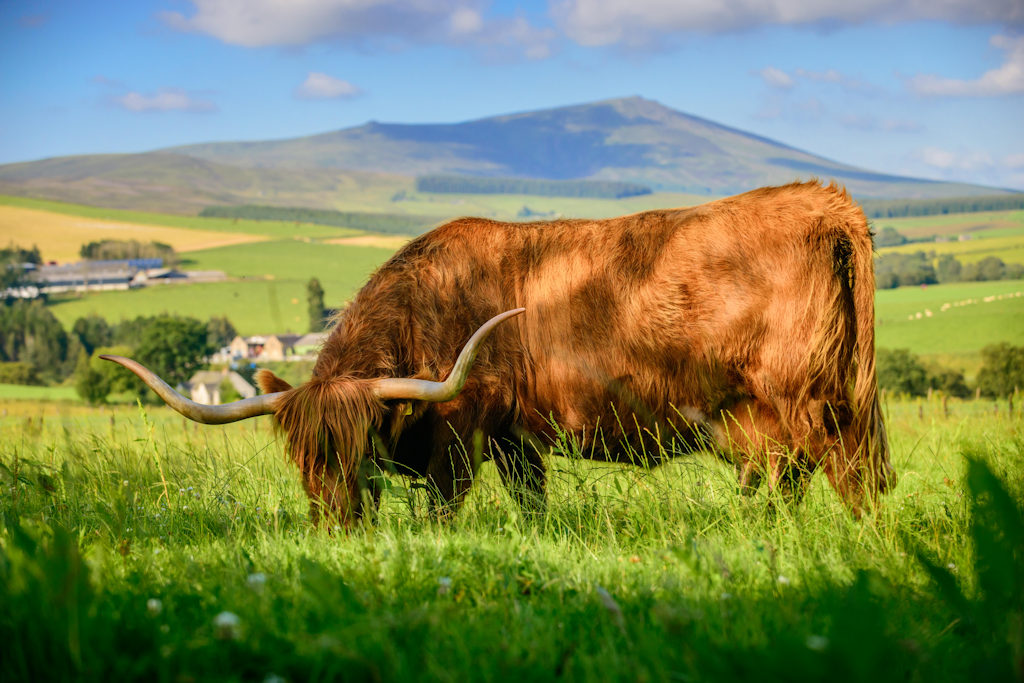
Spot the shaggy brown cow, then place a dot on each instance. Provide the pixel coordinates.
(746, 323)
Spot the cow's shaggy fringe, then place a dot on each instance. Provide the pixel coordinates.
(327, 422)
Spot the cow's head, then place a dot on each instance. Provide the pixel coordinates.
(327, 421)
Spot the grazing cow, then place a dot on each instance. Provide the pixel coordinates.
(746, 323)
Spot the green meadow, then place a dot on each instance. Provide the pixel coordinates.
(266, 292)
(137, 546)
(949, 324)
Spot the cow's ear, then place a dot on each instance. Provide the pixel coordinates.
(271, 383)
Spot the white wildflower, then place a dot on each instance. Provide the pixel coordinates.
(154, 606)
(256, 581)
(783, 581)
(226, 625)
(817, 643)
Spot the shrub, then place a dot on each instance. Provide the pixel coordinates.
(1002, 370)
(17, 372)
(901, 372)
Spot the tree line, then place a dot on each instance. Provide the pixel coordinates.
(589, 189)
(1001, 374)
(917, 268)
(389, 223)
(115, 250)
(902, 208)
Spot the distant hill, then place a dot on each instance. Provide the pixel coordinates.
(631, 140)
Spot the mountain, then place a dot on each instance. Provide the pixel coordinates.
(629, 139)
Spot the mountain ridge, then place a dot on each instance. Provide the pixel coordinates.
(628, 139)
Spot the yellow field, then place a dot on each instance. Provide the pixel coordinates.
(1010, 249)
(60, 236)
(379, 241)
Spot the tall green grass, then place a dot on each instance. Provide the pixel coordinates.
(136, 545)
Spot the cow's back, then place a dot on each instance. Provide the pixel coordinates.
(682, 311)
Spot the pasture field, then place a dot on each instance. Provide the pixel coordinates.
(989, 223)
(270, 229)
(956, 320)
(992, 233)
(33, 393)
(508, 206)
(136, 546)
(60, 236)
(267, 294)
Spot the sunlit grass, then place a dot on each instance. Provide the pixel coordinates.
(130, 534)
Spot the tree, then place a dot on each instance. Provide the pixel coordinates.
(1002, 370)
(92, 331)
(950, 382)
(219, 331)
(17, 372)
(901, 372)
(29, 332)
(948, 269)
(173, 347)
(889, 237)
(90, 383)
(12, 264)
(95, 378)
(901, 270)
(315, 299)
(991, 268)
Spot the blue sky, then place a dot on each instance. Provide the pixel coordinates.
(932, 89)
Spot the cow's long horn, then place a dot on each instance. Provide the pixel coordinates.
(425, 390)
(211, 415)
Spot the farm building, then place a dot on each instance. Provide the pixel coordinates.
(205, 386)
(274, 347)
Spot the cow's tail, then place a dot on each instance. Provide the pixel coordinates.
(873, 444)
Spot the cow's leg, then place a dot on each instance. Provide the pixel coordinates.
(450, 473)
(522, 471)
(748, 475)
(791, 477)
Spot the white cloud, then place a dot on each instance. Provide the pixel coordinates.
(1007, 79)
(639, 23)
(776, 78)
(869, 123)
(262, 23)
(976, 166)
(320, 86)
(165, 99)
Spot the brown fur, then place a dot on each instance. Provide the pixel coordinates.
(747, 321)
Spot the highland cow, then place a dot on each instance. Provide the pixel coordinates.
(745, 325)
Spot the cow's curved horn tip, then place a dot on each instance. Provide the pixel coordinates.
(106, 356)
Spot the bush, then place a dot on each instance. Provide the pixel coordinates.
(18, 373)
(950, 382)
(987, 269)
(948, 269)
(889, 237)
(95, 378)
(1002, 370)
(901, 270)
(901, 372)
